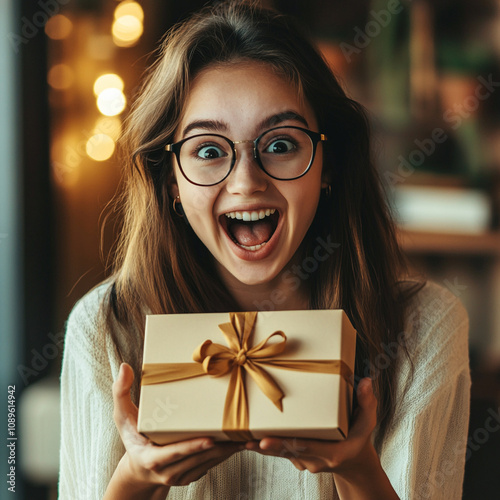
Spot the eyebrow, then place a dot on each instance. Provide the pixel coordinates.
(269, 122)
(274, 120)
(213, 125)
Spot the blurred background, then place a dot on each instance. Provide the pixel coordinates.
(428, 71)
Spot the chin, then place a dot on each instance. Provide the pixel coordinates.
(254, 278)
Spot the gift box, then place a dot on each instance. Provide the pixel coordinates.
(242, 376)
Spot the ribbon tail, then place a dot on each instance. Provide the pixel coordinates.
(266, 384)
(235, 421)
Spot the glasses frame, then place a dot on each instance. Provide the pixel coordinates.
(315, 137)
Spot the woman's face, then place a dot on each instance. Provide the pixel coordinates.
(240, 101)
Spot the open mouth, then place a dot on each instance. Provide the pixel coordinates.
(251, 230)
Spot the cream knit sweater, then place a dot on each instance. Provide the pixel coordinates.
(423, 453)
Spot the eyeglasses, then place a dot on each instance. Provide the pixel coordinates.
(283, 153)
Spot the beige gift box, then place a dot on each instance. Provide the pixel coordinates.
(314, 405)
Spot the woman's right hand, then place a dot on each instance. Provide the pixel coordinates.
(147, 466)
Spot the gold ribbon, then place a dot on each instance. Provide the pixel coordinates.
(235, 359)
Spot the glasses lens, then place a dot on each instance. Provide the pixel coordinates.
(285, 152)
(205, 159)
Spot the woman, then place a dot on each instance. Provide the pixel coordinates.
(245, 154)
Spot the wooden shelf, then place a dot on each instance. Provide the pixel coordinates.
(419, 242)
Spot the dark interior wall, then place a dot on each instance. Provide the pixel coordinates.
(37, 216)
(37, 193)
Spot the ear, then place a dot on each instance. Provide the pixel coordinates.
(326, 178)
(173, 188)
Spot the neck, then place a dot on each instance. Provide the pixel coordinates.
(283, 293)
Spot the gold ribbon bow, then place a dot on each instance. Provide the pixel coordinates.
(237, 358)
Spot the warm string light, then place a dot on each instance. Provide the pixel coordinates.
(128, 24)
(108, 81)
(127, 29)
(100, 147)
(111, 101)
(60, 77)
(58, 27)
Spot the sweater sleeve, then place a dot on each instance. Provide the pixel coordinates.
(424, 450)
(90, 444)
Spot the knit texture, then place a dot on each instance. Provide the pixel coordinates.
(423, 453)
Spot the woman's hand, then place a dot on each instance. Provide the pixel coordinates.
(354, 462)
(147, 466)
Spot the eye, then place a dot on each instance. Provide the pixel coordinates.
(210, 152)
(280, 146)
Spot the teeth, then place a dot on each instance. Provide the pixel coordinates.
(253, 247)
(251, 216)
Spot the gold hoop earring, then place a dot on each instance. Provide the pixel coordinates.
(177, 206)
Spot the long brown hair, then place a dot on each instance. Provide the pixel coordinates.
(160, 264)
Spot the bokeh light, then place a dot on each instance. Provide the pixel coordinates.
(58, 27)
(60, 77)
(129, 8)
(111, 102)
(108, 81)
(100, 147)
(109, 125)
(127, 30)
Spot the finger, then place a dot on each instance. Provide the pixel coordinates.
(277, 447)
(125, 411)
(192, 467)
(121, 393)
(366, 415)
(313, 465)
(158, 458)
(298, 448)
(298, 464)
(255, 446)
(305, 459)
(199, 471)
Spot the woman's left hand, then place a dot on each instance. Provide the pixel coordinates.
(354, 462)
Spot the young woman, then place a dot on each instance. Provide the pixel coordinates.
(245, 161)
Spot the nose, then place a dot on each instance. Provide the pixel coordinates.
(247, 177)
